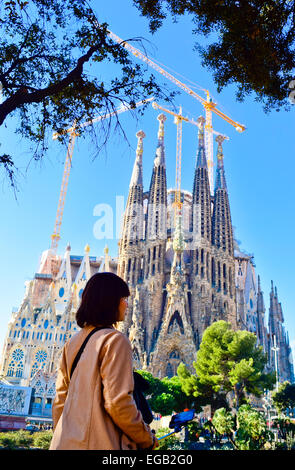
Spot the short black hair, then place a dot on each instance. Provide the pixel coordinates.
(100, 300)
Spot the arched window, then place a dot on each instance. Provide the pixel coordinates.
(39, 361)
(16, 363)
(176, 323)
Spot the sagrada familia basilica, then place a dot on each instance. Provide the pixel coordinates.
(184, 269)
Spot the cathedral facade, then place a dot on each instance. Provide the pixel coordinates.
(184, 270)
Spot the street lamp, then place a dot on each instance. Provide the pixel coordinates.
(275, 348)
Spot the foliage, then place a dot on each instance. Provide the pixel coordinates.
(284, 398)
(194, 431)
(246, 431)
(16, 439)
(42, 439)
(50, 72)
(290, 440)
(224, 421)
(250, 44)
(171, 442)
(252, 432)
(166, 395)
(201, 393)
(285, 426)
(25, 440)
(227, 361)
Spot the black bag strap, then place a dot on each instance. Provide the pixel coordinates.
(83, 347)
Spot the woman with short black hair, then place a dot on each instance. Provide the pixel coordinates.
(94, 408)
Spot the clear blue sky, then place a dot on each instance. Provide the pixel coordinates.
(259, 167)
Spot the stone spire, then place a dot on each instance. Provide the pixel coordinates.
(220, 182)
(201, 155)
(132, 232)
(133, 217)
(276, 318)
(222, 232)
(201, 210)
(261, 316)
(157, 202)
(136, 178)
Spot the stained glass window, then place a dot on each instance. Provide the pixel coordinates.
(18, 354)
(41, 356)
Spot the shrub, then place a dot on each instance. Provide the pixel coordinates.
(42, 439)
(16, 439)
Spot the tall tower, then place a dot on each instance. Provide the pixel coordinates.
(156, 227)
(129, 266)
(222, 263)
(155, 240)
(261, 329)
(279, 339)
(201, 241)
(130, 263)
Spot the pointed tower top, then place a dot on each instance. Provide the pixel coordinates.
(220, 182)
(201, 156)
(160, 152)
(259, 285)
(161, 118)
(136, 178)
(87, 248)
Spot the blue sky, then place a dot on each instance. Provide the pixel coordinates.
(259, 166)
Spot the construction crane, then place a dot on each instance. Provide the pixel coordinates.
(55, 237)
(207, 103)
(178, 118)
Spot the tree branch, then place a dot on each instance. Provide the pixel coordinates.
(22, 96)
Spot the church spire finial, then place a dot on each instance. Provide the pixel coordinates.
(136, 178)
(161, 118)
(140, 136)
(160, 152)
(220, 182)
(201, 156)
(259, 284)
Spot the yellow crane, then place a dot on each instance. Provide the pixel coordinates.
(207, 103)
(55, 237)
(178, 118)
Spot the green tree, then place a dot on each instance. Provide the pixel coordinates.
(284, 398)
(201, 394)
(229, 361)
(246, 431)
(51, 53)
(250, 44)
(166, 395)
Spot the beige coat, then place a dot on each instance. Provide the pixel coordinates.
(96, 409)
